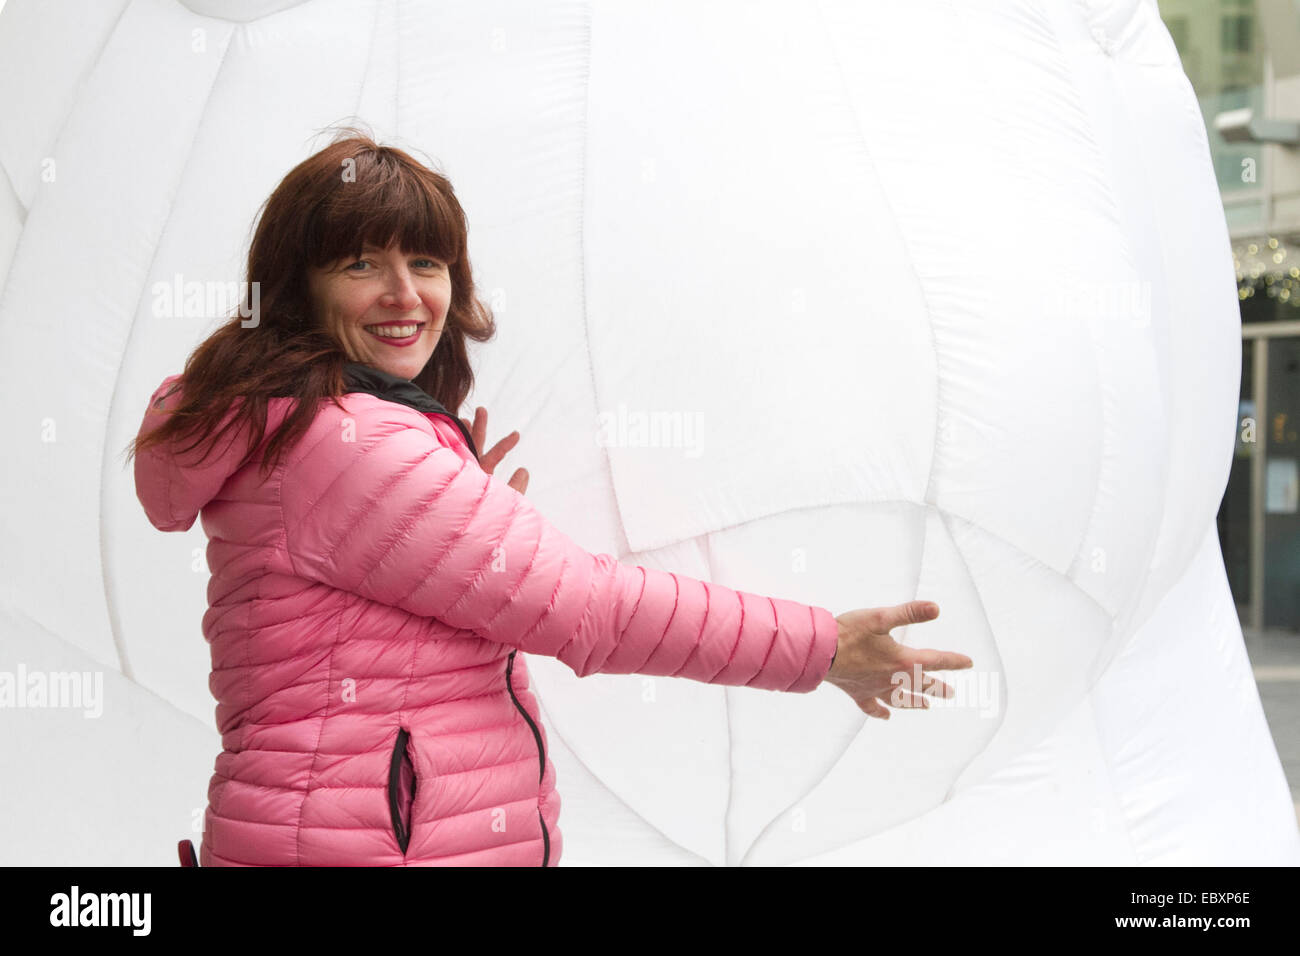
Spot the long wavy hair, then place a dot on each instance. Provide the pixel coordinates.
(352, 193)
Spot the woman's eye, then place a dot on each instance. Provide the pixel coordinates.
(421, 263)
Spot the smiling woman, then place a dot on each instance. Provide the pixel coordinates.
(371, 591)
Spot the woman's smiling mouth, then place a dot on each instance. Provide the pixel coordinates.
(399, 335)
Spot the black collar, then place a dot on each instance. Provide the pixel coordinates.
(373, 381)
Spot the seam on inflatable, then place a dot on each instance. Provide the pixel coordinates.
(1038, 562)
(370, 57)
(984, 612)
(927, 495)
(240, 23)
(851, 107)
(582, 256)
(67, 118)
(1113, 787)
(398, 33)
(119, 642)
(18, 200)
(1106, 187)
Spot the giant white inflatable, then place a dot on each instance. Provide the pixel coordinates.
(841, 302)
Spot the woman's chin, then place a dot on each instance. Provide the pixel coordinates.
(401, 366)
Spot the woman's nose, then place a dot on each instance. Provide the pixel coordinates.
(401, 292)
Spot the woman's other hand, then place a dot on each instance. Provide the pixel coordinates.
(489, 460)
(874, 669)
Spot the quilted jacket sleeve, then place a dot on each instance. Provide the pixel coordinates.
(398, 517)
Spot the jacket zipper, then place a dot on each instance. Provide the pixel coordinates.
(402, 833)
(541, 756)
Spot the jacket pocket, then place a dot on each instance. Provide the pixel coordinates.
(401, 788)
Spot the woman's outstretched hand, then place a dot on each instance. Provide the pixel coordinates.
(874, 669)
(489, 460)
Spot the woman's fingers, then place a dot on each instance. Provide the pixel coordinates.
(479, 428)
(873, 708)
(519, 480)
(935, 660)
(904, 698)
(493, 458)
(489, 460)
(937, 688)
(910, 612)
(918, 682)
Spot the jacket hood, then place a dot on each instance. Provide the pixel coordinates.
(173, 487)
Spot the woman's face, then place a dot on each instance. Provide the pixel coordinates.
(407, 293)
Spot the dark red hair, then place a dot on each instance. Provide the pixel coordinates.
(352, 193)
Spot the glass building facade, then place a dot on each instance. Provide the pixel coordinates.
(1246, 53)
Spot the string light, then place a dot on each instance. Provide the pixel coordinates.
(1256, 269)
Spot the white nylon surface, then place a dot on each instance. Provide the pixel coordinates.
(941, 293)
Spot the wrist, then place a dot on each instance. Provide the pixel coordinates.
(839, 640)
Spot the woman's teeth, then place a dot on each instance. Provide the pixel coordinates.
(393, 331)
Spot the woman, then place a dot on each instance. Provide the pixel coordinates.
(372, 584)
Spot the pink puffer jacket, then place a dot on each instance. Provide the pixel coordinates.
(366, 604)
